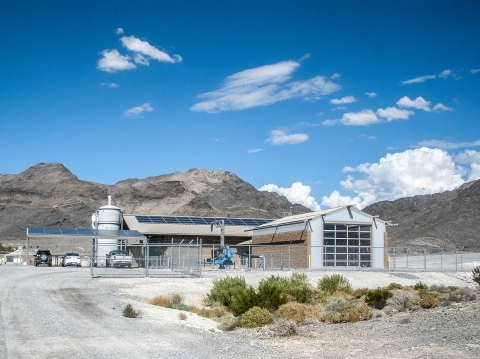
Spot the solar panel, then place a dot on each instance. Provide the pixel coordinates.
(201, 220)
(82, 232)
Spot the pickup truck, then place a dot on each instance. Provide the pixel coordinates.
(118, 258)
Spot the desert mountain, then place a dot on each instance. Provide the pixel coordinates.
(447, 219)
(49, 195)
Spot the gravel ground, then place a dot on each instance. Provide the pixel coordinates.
(53, 312)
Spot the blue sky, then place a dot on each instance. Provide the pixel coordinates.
(326, 102)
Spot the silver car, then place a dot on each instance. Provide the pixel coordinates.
(71, 259)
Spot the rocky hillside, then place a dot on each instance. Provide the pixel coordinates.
(49, 195)
(447, 219)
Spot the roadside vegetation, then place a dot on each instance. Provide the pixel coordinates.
(282, 303)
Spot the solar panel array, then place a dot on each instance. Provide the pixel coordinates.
(201, 220)
(81, 232)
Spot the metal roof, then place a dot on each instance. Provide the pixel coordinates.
(153, 227)
(82, 233)
(301, 218)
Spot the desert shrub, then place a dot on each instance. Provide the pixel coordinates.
(243, 300)
(299, 289)
(130, 312)
(340, 310)
(401, 300)
(224, 289)
(182, 316)
(161, 300)
(228, 323)
(428, 301)
(377, 298)
(358, 293)
(393, 286)
(256, 317)
(438, 288)
(333, 283)
(181, 306)
(298, 312)
(272, 293)
(420, 286)
(463, 294)
(176, 298)
(452, 288)
(476, 275)
(278, 328)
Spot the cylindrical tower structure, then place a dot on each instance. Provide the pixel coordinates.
(107, 217)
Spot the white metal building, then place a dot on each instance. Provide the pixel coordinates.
(339, 237)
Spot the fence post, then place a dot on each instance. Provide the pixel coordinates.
(250, 257)
(456, 260)
(281, 261)
(92, 256)
(289, 256)
(394, 258)
(425, 259)
(147, 257)
(171, 259)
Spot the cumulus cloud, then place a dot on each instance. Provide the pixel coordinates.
(109, 84)
(297, 193)
(118, 31)
(343, 100)
(136, 112)
(393, 113)
(447, 144)
(419, 103)
(262, 86)
(441, 107)
(419, 79)
(468, 157)
(474, 172)
(371, 94)
(404, 174)
(112, 61)
(279, 137)
(362, 118)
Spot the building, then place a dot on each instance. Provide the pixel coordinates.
(342, 237)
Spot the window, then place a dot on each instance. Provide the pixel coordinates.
(347, 246)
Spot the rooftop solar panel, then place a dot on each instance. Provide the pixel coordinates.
(201, 220)
(82, 232)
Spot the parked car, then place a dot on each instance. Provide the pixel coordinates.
(118, 258)
(71, 259)
(43, 257)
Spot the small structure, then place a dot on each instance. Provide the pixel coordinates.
(342, 237)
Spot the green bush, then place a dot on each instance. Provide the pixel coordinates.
(272, 293)
(243, 300)
(377, 298)
(256, 317)
(427, 301)
(299, 289)
(334, 283)
(393, 286)
(476, 275)
(224, 289)
(130, 312)
(420, 286)
(339, 310)
(359, 293)
(298, 313)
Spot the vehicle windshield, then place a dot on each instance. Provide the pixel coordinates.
(123, 253)
(71, 255)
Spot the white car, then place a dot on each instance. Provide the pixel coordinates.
(71, 259)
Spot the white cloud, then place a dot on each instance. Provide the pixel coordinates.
(297, 193)
(371, 94)
(446, 73)
(441, 107)
(404, 174)
(262, 86)
(419, 79)
(109, 84)
(474, 71)
(145, 51)
(137, 111)
(336, 200)
(448, 145)
(335, 76)
(474, 172)
(279, 137)
(119, 31)
(112, 61)
(346, 99)
(362, 118)
(330, 122)
(468, 157)
(393, 113)
(255, 150)
(419, 103)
